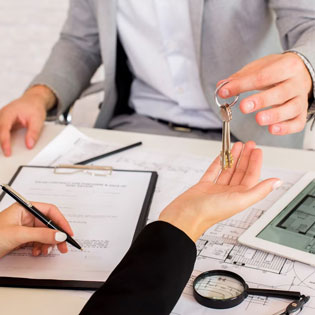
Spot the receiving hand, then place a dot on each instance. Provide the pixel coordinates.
(220, 195)
(29, 111)
(19, 228)
(285, 85)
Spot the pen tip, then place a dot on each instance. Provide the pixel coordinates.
(81, 249)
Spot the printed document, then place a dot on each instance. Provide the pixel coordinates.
(218, 247)
(102, 221)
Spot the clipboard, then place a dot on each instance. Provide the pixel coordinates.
(95, 175)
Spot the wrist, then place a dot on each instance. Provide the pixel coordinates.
(309, 68)
(44, 96)
(192, 223)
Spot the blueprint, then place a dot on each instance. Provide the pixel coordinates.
(218, 247)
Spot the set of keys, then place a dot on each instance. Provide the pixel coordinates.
(226, 116)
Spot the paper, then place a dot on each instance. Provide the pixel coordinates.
(177, 172)
(70, 147)
(218, 248)
(103, 223)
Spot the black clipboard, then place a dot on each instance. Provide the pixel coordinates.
(78, 284)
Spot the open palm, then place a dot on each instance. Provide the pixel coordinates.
(221, 194)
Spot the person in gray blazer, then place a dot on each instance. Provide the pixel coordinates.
(174, 53)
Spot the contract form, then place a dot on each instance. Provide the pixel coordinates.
(104, 209)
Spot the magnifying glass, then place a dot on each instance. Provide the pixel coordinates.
(223, 289)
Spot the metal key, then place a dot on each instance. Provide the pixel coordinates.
(226, 115)
(226, 156)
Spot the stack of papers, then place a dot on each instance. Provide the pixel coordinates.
(218, 248)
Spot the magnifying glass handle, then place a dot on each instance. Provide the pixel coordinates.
(290, 295)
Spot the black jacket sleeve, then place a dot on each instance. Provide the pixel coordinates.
(151, 276)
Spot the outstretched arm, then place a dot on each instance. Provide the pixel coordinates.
(153, 273)
(285, 81)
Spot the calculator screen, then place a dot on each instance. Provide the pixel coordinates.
(294, 226)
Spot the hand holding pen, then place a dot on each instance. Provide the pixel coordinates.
(18, 227)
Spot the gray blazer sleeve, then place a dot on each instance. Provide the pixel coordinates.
(74, 58)
(296, 24)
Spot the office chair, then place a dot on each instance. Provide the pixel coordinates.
(123, 82)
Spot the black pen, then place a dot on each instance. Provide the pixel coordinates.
(108, 153)
(36, 213)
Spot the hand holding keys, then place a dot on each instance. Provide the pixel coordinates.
(226, 115)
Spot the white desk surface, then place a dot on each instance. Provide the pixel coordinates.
(50, 302)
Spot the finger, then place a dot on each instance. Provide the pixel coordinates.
(37, 249)
(287, 111)
(212, 172)
(258, 80)
(251, 67)
(248, 68)
(226, 175)
(47, 249)
(43, 235)
(289, 126)
(5, 138)
(242, 164)
(62, 247)
(252, 173)
(261, 75)
(53, 213)
(34, 128)
(264, 73)
(278, 94)
(259, 192)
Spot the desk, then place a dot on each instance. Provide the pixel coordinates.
(50, 302)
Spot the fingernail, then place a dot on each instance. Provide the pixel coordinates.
(30, 142)
(277, 184)
(225, 92)
(60, 237)
(265, 118)
(250, 106)
(49, 250)
(6, 151)
(276, 129)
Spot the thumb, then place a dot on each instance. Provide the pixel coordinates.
(261, 190)
(40, 235)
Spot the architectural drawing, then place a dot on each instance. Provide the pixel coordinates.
(218, 247)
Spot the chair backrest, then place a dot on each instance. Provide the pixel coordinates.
(123, 81)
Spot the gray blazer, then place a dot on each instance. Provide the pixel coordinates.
(228, 34)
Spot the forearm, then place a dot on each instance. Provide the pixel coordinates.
(74, 58)
(151, 276)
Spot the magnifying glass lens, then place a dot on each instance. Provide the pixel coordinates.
(219, 287)
(223, 289)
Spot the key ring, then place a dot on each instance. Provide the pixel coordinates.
(216, 96)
